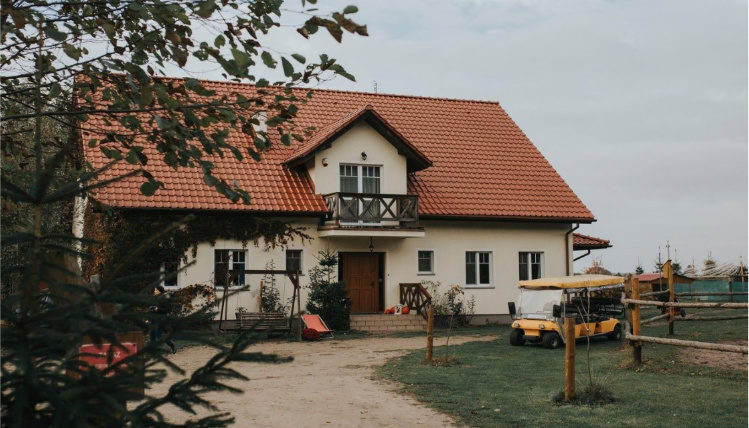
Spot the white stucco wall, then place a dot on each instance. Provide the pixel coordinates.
(448, 240)
(348, 148)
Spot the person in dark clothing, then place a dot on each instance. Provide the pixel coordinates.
(161, 310)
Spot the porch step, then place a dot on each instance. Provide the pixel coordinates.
(381, 322)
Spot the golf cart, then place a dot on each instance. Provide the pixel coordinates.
(593, 300)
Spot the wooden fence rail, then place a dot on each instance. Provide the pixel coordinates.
(724, 305)
(716, 293)
(631, 299)
(688, 343)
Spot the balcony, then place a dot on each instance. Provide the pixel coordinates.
(362, 214)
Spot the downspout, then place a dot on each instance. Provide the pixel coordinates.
(567, 248)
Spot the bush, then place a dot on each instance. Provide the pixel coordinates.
(451, 307)
(270, 299)
(193, 298)
(326, 298)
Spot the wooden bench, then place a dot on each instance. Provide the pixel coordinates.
(257, 321)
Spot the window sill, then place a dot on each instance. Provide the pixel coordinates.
(233, 287)
(425, 274)
(479, 287)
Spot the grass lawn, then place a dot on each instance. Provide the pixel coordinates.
(494, 384)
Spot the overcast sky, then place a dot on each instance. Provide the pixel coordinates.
(641, 106)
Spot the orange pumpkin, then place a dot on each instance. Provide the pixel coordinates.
(405, 310)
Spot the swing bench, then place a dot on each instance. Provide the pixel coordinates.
(262, 321)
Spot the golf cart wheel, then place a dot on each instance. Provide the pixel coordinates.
(616, 334)
(551, 340)
(516, 337)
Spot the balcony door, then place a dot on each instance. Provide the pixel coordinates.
(363, 180)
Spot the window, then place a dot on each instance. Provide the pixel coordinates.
(169, 273)
(221, 266)
(530, 265)
(426, 261)
(294, 260)
(349, 178)
(360, 179)
(370, 179)
(478, 268)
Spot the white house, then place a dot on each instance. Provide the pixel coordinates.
(405, 189)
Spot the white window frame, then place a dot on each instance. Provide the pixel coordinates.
(530, 263)
(431, 261)
(360, 186)
(477, 268)
(301, 259)
(164, 273)
(235, 265)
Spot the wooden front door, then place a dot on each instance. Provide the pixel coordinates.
(361, 275)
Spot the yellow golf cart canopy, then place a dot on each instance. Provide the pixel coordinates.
(576, 281)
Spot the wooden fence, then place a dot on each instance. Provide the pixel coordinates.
(632, 300)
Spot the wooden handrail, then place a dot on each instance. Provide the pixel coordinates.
(416, 297)
(372, 207)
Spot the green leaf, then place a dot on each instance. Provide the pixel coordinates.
(299, 58)
(241, 57)
(286, 139)
(71, 51)
(108, 29)
(220, 41)
(262, 83)
(350, 9)
(205, 9)
(55, 34)
(55, 90)
(268, 59)
(288, 69)
(150, 187)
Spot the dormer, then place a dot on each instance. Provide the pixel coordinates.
(360, 164)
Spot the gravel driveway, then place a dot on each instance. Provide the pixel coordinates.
(329, 383)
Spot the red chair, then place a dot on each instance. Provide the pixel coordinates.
(316, 323)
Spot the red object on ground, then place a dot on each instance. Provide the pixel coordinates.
(96, 355)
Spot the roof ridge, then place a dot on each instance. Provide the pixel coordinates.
(405, 96)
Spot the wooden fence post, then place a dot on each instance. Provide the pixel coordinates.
(430, 334)
(636, 344)
(569, 359)
(668, 270)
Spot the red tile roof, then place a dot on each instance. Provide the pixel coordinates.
(585, 242)
(652, 277)
(340, 126)
(483, 165)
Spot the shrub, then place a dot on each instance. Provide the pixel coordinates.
(270, 299)
(193, 298)
(326, 298)
(450, 307)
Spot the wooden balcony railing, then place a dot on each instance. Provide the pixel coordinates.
(371, 209)
(415, 296)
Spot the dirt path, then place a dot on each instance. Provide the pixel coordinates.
(706, 357)
(329, 383)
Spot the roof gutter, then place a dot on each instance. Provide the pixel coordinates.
(567, 248)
